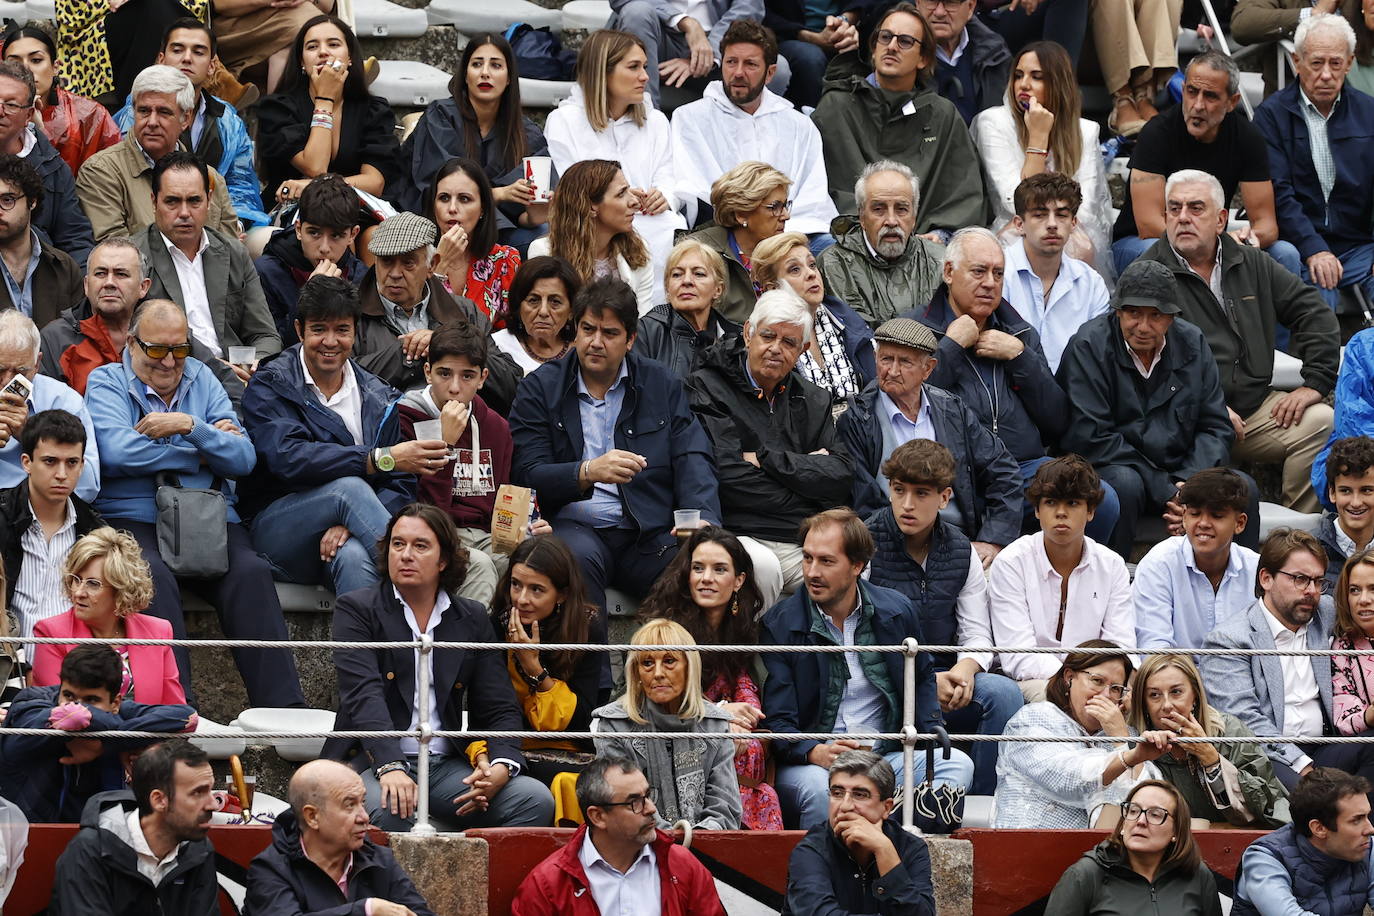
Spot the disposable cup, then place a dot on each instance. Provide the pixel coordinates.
(538, 172)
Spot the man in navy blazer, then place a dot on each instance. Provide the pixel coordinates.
(607, 440)
(1288, 695)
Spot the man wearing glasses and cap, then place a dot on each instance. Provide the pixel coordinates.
(627, 864)
(1145, 401)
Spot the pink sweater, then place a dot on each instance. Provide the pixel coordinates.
(1352, 684)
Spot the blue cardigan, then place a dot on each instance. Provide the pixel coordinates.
(130, 461)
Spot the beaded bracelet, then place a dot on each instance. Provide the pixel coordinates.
(321, 119)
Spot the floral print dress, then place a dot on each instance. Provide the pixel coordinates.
(762, 811)
(488, 282)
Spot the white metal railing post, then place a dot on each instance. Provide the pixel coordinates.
(909, 731)
(422, 825)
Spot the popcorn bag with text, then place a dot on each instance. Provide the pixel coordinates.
(510, 518)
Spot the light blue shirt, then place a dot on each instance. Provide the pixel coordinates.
(635, 892)
(603, 508)
(22, 296)
(904, 430)
(1175, 606)
(1265, 884)
(862, 708)
(1320, 144)
(49, 394)
(1077, 295)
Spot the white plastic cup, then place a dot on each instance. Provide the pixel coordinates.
(685, 521)
(539, 172)
(429, 429)
(243, 357)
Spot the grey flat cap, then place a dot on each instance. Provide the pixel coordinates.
(401, 234)
(907, 332)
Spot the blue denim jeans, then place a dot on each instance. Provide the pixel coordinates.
(804, 789)
(288, 534)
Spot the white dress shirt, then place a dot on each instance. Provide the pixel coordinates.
(347, 402)
(411, 746)
(1302, 709)
(699, 10)
(632, 893)
(1076, 296)
(1024, 592)
(195, 298)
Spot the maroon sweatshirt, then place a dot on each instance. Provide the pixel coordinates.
(470, 503)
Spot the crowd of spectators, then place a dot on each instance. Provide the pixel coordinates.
(846, 285)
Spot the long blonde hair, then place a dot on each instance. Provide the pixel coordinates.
(600, 55)
(1206, 716)
(663, 632)
(1061, 97)
(572, 233)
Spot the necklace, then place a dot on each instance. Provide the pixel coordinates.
(544, 359)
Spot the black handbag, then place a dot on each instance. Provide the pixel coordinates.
(192, 536)
(936, 809)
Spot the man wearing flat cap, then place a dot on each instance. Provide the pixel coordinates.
(1145, 400)
(897, 407)
(403, 304)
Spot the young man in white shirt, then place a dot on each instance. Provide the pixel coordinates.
(1058, 587)
(1186, 586)
(1054, 292)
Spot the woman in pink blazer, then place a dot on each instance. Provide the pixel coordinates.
(109, 583)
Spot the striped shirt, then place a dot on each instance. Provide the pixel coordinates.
(1322, 160)
(39, 593)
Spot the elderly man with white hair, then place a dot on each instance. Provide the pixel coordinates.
(19, 355)
(879, 265)
(1212, 269)
(115, 185)
(991, 359)
(1322, 159)
(773, 434)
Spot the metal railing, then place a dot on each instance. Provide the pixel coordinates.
(909, 737)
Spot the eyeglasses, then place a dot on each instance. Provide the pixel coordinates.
(76, 582)
(885, 37)
(1305, 582)
(7, 201)
(635, 803)
(1102, 685)
(768, 336)
(947, 4)
(15, 107)
(777, 207)
(859, 795)
(1156, 815)
(160, 351)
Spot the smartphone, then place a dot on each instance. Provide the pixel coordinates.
(19, 385)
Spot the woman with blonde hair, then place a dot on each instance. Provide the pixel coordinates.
(1150, 863)
(606, 117)
(840, 356)
(109, 583)
(1039, 129)
(676, 332)
(691, 779)
(750, 204)
(1223, 782)
(591, 226)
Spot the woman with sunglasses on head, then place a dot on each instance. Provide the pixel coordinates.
(1040, 128)
(1227, 783)
(109, 584)
(1150, 864)
(751, 204)
(323, 119)
(709, 589)
(840, 356)
(692, 779)
(1061, 786)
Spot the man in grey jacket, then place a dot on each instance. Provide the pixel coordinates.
(1284, 694)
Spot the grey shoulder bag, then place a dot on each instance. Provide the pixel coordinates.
(191, 528)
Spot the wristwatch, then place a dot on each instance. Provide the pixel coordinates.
(534, 681)
(383, 460)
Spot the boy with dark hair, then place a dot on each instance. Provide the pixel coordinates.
(1350, 488)
(145, 851)
(478, 438)
(1321, 862)
(932, 562)
(52, 778)
(1187, 586)
(42, 517)
(1058, 587)
(1057, 294)
(320, 244)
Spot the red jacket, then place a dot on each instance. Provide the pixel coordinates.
(558, 886)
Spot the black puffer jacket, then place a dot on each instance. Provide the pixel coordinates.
(668, 338)
(1103, 884)
(283, 880)
(791, 483)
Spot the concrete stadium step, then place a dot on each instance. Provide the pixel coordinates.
(383, 19)
(474, 16)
